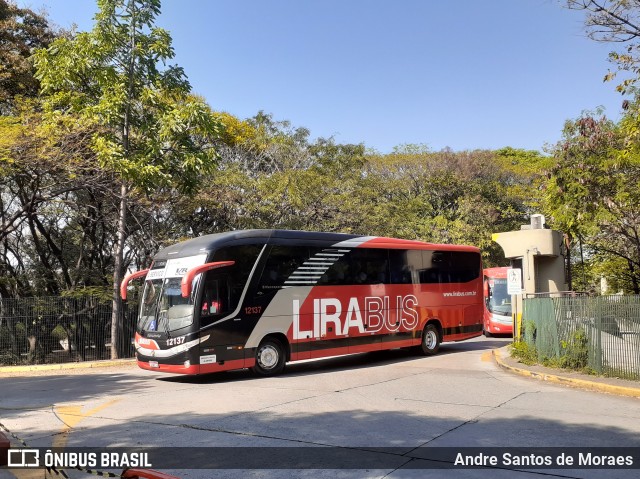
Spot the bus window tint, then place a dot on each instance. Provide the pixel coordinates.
(215, 296)
(449, 267)
(223, 287)
(402, 265)
(359, 266)
(280, 265)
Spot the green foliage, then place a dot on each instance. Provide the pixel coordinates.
(446, 196)
(10, 131)
(575, 352)
(100, 293)
(524, 352)
(21, 31)
(55, 206)
(59, 333)
(150, 130)
(592, 192)
(616, 271)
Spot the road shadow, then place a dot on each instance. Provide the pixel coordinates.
(356, 443)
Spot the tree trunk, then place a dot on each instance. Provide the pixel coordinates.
(33, 346)
(118, 254)
(634, 278)
(117, 316)
(567, 264)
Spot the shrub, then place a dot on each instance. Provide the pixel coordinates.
(575, 352)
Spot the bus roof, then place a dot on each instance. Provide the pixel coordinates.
(208, 243)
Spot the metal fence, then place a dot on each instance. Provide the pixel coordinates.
(600, 333)
(58, 329)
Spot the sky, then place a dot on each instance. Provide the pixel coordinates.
(464, 74)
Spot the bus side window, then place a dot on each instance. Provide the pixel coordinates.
(400, 269)
(359, 266)
(211, 300)
(281, 263)
(465, 266)
(214, 297)
(223, 288)
(449, 267)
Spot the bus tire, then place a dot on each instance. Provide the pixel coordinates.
(430, 340)
(270, 358)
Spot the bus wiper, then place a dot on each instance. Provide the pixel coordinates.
(166, 323)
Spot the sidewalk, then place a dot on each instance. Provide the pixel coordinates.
(33, 368)
(621, 387)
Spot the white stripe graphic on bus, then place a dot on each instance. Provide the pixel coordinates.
(310, 272)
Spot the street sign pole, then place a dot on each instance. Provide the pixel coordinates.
(514, 288)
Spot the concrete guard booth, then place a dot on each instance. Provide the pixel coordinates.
(541, 256)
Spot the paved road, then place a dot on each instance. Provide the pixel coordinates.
(458, 398)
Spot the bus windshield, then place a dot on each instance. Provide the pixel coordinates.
(163, 308)
(499, 300)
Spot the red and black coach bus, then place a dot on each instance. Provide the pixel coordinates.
(259, 298)
(497, 302)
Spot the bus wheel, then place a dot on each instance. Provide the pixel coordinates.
(430, 340)
(270, 358)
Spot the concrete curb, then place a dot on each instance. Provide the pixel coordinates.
(65, 366)
(593, 385)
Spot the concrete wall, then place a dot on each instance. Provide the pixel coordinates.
(543, 265)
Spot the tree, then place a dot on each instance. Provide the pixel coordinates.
(301, 184)
(449, 197)
(618, 22)
(21, 32)
(151, 133)
(55, 203)
(593, 195)
(607, 155)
